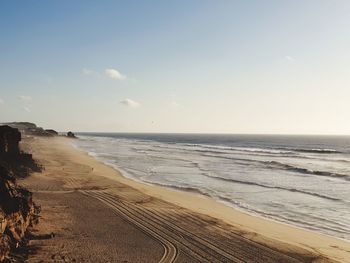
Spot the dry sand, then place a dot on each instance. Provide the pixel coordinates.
(97, 215)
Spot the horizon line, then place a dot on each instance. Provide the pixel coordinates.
(217, 133)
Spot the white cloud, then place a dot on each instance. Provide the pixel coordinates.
(25, 98)
(1, 101)
(27, 109)
(289, 58)
(130, 103)
(114, 74)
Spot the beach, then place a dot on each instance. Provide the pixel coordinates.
(91, 213)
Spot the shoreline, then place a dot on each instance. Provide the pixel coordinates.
(253, 227)
(199, 194)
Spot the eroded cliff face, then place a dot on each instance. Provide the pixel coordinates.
(17, 210)
(18, 163)
(9, 140)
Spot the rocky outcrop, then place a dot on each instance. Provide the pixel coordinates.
(19, 163)
(71, 135)
(17, 210)
(9, 140)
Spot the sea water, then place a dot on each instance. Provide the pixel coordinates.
(299, 180)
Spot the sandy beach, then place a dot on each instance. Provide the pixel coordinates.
(91, 213)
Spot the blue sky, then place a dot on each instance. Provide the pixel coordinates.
(180, 66)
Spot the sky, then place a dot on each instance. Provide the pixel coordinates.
(261, 67)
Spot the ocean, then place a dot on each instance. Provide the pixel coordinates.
(299, 180)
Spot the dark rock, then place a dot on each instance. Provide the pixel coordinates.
(71, 135)
(10, 155)
(20, 164)
(4, 243)
(9, 140)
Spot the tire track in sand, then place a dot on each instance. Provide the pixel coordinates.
(188, 239)
(213, 249)
(177, 238)
(189, 243)
(253, 252)
(170, 250)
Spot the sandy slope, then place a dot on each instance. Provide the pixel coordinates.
(97, 215)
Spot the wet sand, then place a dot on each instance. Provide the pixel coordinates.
(90, 213)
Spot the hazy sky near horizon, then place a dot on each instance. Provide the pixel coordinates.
(177, 66)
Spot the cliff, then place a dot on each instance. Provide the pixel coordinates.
(19, 163)
(28, 128)
(17, 210)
